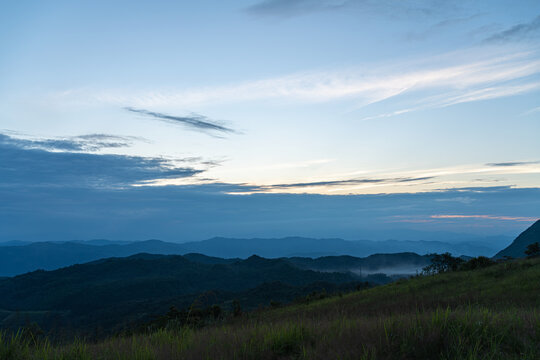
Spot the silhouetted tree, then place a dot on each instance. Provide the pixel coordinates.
(442, 263)
(533, 250)
(477, 263)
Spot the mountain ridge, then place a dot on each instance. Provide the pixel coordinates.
(517, 248)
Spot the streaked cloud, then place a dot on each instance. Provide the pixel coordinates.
(347, 182)
(486, 217)
(518, 32)
(289, 8)
(440, 81)
(193, 122)
(531, 111)
(447, 24)
(434, 179)
(513, 163)
(83, 143)
(488, 94)
(71, 161)
(390, 8)
(487, 169)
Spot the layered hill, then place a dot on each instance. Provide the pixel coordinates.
(19, 258)
(517, 248)
(109, 293)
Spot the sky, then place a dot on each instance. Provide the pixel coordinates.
(326, 118)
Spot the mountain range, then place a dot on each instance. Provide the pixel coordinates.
(20, 257)
(112, 293)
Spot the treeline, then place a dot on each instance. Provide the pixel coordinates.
(441, 263)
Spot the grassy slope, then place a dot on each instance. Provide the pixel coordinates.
(491, 313)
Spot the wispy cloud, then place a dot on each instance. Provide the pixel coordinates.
(451, 98)
(83, 143)
(514, 163)
(531, 111)
(435, 179)
(449, 217)
(194, 122)
(347, 182)
(485, 217)
(463, 77)
(289, 8)
(469, 171)
(441, 26)
(518, 32)
(391, 8)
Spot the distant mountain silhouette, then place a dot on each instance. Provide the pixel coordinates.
(22, 258)
(16, 260)
(517, 248)
(308, 247)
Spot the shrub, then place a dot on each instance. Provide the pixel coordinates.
(533, 250)
(442, 263)
(477, 263)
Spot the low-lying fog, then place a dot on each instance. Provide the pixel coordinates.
(410, 270)
(389, 271)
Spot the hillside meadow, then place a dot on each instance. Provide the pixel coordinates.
(490, 313)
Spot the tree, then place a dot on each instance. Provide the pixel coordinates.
(442, 263)
(533, 250)
(477, 263)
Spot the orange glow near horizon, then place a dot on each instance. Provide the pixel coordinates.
(487, 217)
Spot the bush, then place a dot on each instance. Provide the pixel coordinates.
(533, 250)
(477, 263)
(442, 263)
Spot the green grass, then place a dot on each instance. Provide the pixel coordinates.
(492, 313)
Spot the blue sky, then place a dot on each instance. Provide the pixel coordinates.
(248, 106)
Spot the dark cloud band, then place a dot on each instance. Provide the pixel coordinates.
(83, 143)
(28, 163)
(347, 182)
(513, 163)
(195, 122)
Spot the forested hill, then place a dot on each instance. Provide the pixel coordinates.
(517, 248)
(111, 292)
